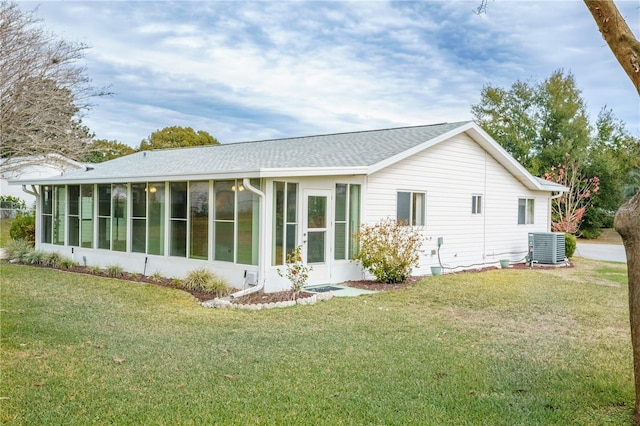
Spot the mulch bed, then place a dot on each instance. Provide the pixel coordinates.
(281, 296)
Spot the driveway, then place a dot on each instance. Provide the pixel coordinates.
(611, 252)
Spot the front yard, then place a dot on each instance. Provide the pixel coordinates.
(502, 347)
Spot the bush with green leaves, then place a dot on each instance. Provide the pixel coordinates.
(570, 244)
(52, 259)
(34, 257)
(23, 227)
(389, 250)
(204, 280)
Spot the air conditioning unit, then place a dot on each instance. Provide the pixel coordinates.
(547, 247)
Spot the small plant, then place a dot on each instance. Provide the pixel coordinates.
(15, 249)
(114, 271)
(52, 259)
(157, 277)
(66, 263)
(296, 271)
(34, 257)
(23, 227)
(570, 244)
(389, 250)
(205, 280)
(94, 269)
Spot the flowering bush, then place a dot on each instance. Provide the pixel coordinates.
(568, 209)
(389, 250)
(296, 271)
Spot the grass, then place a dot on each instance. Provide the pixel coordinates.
(504, 347)
(5, 227)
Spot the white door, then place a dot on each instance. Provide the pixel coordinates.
(316, 235)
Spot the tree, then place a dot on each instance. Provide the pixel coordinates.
(43, 91)
(101, 150)
(536, 123)
(568, 209)
(176, 137)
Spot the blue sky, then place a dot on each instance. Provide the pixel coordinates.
(259, 70)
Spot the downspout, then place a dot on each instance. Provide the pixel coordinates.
(262, 261)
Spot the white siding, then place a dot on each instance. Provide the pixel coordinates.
(450, 173)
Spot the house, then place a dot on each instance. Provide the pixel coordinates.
(238, 209)
(34, 167)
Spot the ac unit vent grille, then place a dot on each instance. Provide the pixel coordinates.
(547, 247)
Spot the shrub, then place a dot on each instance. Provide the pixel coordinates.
(66, 263)
(95, 270)
(389, 250)
(16, 249)
(114, 271)
(23, 227)
(52, 259)
(206, 281)
(34, 257)
(570, 243)
(296, 272)
(157, 277)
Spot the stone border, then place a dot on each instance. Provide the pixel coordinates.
(225, 303)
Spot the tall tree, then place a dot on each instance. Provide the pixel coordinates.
(537, 123)
(43, 91)
(176, 137)
(101, 150)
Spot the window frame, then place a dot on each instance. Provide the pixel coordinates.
(528, 211)
(476, 204)
(412, 210)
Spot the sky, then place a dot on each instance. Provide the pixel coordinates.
(246, 71)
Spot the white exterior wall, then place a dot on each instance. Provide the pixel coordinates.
(450, 173)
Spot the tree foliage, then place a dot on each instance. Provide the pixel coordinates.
(43, 90)
(101, 150)
(176, 137)
(541, 123)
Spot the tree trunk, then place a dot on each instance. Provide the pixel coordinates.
(627, 224)
(618, 35)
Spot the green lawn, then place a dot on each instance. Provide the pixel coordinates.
(504, 347)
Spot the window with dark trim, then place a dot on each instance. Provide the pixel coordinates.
(410, 208)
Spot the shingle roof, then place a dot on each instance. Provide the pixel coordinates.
(339, 153)
(341, 150)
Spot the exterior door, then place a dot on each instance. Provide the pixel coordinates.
(316, 234)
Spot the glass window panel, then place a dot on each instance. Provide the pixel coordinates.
(155, 242)
(354, 219)
(340, 241)
(531, 211)
(317, 212)
(292, 232)
(47, 200)
(47, 228)
(59, 205)
(292, 197)
(178, 240)
(224, 199)
(178, 200)
(418, 209)
(104, 233)
(404, 208)
(119, 217)
(278, 223)
(138, 235)
(199, 224)
(74, 231)
(138, 200)
(86, 215)
(341, 202)
(74, 199)
(224, 241)
(316, 247)
(104, 200)
(522, 211)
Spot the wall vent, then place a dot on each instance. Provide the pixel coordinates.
(547, 247)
